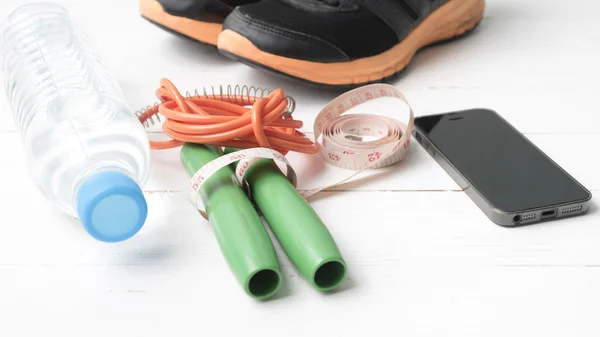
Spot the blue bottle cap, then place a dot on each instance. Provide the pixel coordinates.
(111, 206)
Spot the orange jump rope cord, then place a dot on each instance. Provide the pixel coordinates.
(227, 121)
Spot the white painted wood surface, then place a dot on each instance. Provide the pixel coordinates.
(423, 260)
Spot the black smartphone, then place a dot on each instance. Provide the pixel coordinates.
(511, 180)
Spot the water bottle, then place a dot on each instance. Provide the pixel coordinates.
(85, 149)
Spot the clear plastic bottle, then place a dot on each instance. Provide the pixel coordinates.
(86, 150)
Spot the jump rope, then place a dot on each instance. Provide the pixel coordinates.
(225, 119)
(231, 140)
(253, 118)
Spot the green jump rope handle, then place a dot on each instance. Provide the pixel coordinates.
(298, 228)
(243, 239)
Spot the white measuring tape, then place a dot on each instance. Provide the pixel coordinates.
(246, 158)
(342, 142)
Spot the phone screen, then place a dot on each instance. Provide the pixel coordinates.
(498, 161)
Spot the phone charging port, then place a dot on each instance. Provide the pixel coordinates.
(548, 214)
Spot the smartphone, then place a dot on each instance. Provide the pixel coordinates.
(511, 180)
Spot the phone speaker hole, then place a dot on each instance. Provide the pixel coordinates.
(529, 217)
(572, 209)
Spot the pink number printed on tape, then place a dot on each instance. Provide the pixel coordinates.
(341, 149)
(337, 147)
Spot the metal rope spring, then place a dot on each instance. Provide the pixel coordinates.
(232, 94)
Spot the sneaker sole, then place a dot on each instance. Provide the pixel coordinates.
(453, 19)
(205, 32)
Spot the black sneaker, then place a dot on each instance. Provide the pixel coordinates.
(342, 42)
(200, 20)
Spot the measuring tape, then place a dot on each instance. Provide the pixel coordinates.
(341, 143)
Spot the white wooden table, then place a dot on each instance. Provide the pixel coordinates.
(423, 259)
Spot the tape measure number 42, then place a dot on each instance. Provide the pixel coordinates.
(341, 143)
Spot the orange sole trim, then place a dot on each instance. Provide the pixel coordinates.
(454, 18)
(206, 32)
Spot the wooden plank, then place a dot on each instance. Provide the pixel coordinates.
(417, 172)
(410, 300)
(371, 228)
(434, 265)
